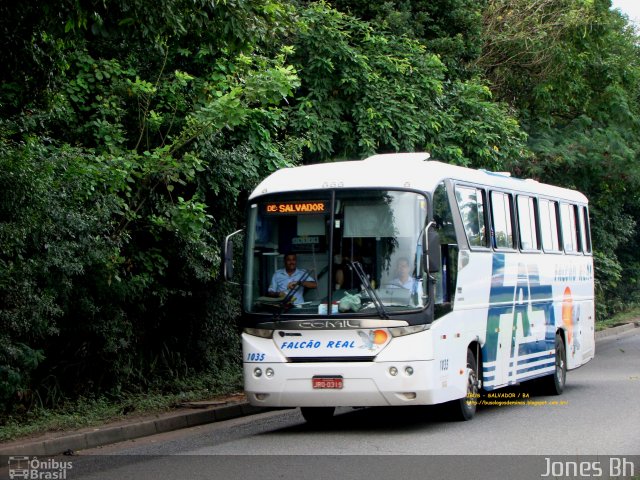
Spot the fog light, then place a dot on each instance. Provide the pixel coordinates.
(257, 373)
(269, 372)
(408, 371)
(393, 371)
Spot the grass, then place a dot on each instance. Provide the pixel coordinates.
(85, 412)
(619, 319)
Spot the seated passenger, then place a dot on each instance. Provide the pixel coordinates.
(346, 277)
(289, 278)
(404, 279)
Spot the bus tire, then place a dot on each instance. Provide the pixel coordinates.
(317, 415)
(554, 384)
(464, 409)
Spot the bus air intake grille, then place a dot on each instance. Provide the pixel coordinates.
(329, 359)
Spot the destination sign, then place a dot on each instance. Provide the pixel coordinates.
(280, 208)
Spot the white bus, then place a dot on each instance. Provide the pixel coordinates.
(423, 283)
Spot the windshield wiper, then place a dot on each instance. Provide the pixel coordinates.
(357, 267)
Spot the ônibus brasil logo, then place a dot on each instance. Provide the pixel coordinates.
(36, 469)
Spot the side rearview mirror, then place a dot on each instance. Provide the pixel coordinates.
(227, 257)
(432, 249)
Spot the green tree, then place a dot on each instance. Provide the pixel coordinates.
(120, 175)
(450, 29)
(366, 91)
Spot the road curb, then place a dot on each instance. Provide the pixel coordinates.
(165, 423)
(113, 434)
(610, 332)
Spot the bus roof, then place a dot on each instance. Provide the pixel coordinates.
(399, 170)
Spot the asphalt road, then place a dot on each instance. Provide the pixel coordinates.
(593, 425)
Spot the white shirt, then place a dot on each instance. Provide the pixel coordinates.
(281, 280)
(411, 284)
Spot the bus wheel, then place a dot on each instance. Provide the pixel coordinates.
(554, 384)
(317, 415)
(465, 408)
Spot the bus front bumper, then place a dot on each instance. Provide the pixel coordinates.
(364, 384)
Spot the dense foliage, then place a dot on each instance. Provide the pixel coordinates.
(131, 132)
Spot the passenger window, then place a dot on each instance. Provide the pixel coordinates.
(585, 233)
(569, 233)
(502, 221)
(471, 205)
(527, 223)
(549, 226)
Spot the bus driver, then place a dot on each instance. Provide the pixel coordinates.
(289, 278)
(403, 279)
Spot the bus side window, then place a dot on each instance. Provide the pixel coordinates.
(549, 226)
(585, 234)
(527, 223)
(471, 205)
(577, 228)
(568, 222)
(502, 220)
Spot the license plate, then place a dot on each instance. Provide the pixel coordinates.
(327, 382)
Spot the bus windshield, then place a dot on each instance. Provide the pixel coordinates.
(339, 252)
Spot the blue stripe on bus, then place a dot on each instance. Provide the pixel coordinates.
(538, 367)
(536, 359)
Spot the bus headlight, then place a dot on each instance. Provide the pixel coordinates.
(257, 372)
(393, 371)
(259, 332)
(402, 331)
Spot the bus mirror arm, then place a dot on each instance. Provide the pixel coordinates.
(227, 258)
(432, 248)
